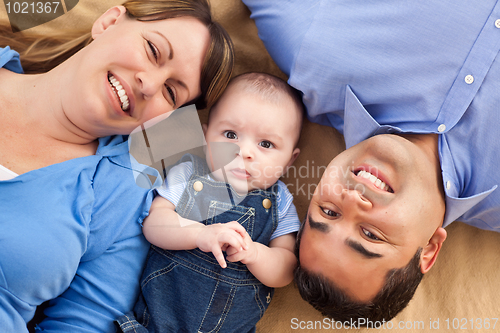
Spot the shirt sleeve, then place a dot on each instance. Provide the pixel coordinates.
(9, 59)
(176, 181)
(288, 219)
(282, 26)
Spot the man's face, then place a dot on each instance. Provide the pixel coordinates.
(376, 204)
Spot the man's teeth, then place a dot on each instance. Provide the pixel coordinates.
(377, 182)
(120, 92)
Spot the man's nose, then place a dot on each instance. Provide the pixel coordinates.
(353, 199)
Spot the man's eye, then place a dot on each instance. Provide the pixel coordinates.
(171, 92)
(154, 51)
(266, 144)
(230, 135)
(330, 212)
(370, 235)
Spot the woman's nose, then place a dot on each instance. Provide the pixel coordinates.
(151, 82)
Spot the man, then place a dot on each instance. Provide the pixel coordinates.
(414, 87)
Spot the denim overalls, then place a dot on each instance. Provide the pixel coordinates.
(187, 291)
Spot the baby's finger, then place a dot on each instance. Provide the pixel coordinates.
(231, 239)
(231, 250)
(237, 256)
(216, 251)
(240, 230)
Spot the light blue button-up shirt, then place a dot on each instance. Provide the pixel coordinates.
(395, 66)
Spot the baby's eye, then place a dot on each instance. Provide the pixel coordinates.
(370, 235)
(330, 212)
(230, 135)
(266, 144)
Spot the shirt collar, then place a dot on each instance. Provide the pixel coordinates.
(359, 125)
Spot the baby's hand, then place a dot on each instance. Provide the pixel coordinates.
(218, 237)
(246, 255)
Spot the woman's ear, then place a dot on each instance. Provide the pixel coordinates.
(109, 18)
(431, 250)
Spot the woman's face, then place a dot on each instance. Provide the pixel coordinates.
(134, 71)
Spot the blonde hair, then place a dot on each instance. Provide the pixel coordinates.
(40, 53)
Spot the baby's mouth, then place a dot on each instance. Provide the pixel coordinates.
(120, 93)
(240, 173)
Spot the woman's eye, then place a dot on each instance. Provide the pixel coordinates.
(171, 92)
(154, 51)
(230, 135)
(370, 235)
(330, 212)
(266, 144)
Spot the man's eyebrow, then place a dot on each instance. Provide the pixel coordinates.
(361, 249)
(320, 226)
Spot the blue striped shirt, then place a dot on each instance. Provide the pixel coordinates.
(178, 176)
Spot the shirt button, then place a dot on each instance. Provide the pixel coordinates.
(441, 128)
(497, 23)
(469, 79)
(198, 186)
(448, 185)
(266, 203)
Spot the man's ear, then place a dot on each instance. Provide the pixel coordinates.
(295, 154)
(109, 18)
(431, 250)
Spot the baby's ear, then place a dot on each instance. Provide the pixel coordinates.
(108, 19)
(295, 154)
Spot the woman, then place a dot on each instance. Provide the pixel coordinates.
(71, 211)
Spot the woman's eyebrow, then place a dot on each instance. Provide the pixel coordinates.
(170, 49)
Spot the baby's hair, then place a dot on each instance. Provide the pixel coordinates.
(269, 88)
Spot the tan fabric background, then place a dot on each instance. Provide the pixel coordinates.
(462, 285)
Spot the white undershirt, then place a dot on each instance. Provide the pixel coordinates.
(6, 174)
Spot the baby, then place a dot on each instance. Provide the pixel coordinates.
(244, 210)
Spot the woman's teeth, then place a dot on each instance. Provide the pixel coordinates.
(119, 91)
(377, 182)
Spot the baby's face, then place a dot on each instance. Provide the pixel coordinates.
(265, 132)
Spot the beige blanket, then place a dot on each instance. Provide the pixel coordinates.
(460, 294)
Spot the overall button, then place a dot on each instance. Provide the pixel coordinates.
(266, 203)
(198, 186)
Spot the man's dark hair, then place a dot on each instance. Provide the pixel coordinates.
(331, 301)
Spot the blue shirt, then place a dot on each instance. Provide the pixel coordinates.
(71, 232)
(395, 66)
(178, 176)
